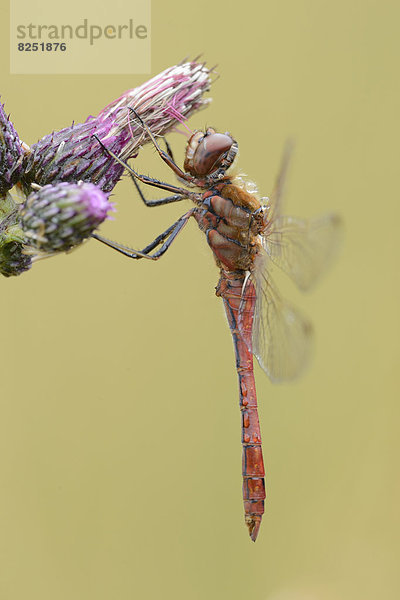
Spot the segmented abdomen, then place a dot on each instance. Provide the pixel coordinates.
(230, 289)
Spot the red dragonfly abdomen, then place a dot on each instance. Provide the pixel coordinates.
(230, 289)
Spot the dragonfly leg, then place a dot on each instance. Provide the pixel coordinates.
(158, 202)
(169, 149)
(166, 156)
(165, 239)
(149, 180)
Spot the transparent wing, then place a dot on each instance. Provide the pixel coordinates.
(274, 202)
(303, 248)
(282, 336)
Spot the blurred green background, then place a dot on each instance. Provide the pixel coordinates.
(120, 451)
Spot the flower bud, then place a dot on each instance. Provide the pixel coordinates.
(58, 217)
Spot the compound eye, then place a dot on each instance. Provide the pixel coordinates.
(210, 149)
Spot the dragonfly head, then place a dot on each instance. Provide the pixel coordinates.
(209, 154)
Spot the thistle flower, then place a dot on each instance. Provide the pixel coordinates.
(58, 217)
(73, 153)
(13, 260)
(10, 153)
(164, 100)
(62, 213)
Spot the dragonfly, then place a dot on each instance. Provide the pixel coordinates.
(247, 235)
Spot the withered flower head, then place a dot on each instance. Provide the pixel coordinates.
(74, 154)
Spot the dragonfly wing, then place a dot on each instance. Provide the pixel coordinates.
(303, 248)
(282, 336)
(274, 202)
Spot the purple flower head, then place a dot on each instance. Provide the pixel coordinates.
(59, 217)
(165, 100)
(73, 154)
(96, 203)
(10, 153)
